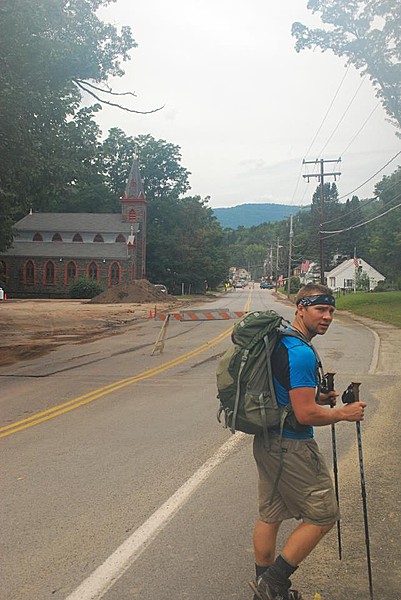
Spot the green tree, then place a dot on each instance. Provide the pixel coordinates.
(367, 34)
(385, 232)
(48, 57)
(186, 244)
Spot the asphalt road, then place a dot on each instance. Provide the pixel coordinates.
(118, 483)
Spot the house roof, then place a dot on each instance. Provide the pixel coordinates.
(57, 250)
(350, 263)
(82, 222)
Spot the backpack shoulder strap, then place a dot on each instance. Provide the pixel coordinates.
(297, 334)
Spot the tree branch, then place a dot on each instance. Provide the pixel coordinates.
(109, 91)
(82, 85)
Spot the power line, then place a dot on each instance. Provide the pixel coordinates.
(343, 115)
(331, 233)
(318, 131)
(366, 203)
(372, 177)
(361, 128)
(327, 112)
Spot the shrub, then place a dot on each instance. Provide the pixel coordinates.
(385, 286)
(295, 284)
(84, 287)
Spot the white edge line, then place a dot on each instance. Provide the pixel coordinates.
(106, 575)
(376, 351)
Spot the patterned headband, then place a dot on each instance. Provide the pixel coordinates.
(312, 300)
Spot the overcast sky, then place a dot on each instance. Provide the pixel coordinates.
(240, 102)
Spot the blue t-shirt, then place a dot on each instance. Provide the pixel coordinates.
(294, 365)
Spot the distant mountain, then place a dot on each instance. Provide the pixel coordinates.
(249, 215)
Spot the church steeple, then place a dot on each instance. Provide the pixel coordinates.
(134, 188)
(133, 210)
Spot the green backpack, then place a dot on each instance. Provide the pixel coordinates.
(245, 379)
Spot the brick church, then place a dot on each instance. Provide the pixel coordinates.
(50, 250)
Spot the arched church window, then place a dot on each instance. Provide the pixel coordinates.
(57, 238)
(71, 271)
(50, 272)
(29, 272)
(98, 238)
(77, 238)
(93, 271)
(38, 237)
(115, 273)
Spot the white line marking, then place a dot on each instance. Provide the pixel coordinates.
(106, 575)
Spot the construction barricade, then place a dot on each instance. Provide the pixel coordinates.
(217, 314)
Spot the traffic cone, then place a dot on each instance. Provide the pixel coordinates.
(5, 296)
(150, 315)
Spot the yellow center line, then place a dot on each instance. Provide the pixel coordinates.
(61, 409)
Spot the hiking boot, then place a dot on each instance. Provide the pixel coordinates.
(294, 595)
(264, 591)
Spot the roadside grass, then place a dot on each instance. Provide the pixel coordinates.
(381, 306)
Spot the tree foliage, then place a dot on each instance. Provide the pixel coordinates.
(367, 34)
(47, 142)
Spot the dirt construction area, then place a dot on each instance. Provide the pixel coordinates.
(31, 328)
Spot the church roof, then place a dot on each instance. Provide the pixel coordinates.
(82, 222)
(57, 250)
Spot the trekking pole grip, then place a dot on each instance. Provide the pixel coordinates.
(330, 383)
(355, 389)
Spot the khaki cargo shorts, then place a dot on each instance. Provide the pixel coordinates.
(304, 490)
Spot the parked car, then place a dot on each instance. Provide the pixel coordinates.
(161, 288)
(266, 285)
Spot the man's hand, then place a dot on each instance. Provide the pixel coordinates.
(353, 411)
(329, 398)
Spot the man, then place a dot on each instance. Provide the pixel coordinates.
(294, 481)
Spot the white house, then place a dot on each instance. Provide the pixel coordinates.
(343, 275)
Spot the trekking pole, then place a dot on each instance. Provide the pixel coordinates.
(330, 388)
(350, 395)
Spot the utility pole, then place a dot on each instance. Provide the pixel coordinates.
(277, 256)
(271, 263)
(320, 176)
(289, 258)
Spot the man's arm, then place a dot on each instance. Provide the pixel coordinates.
(307, 412)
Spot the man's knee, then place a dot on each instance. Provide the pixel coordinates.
(264, 539)
(326, 528)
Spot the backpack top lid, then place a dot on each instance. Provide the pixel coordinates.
(254, 326)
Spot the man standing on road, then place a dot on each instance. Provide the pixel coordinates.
(294, 481)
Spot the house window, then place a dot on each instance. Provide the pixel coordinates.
(57, 238)
(115, 273)
(348, 283)
(29, 273)
(50, 273)
(37, 237)
(120, 238)
(132, 216)
(71, 271)
(98, 238)
(77, 238)
(93, 271)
